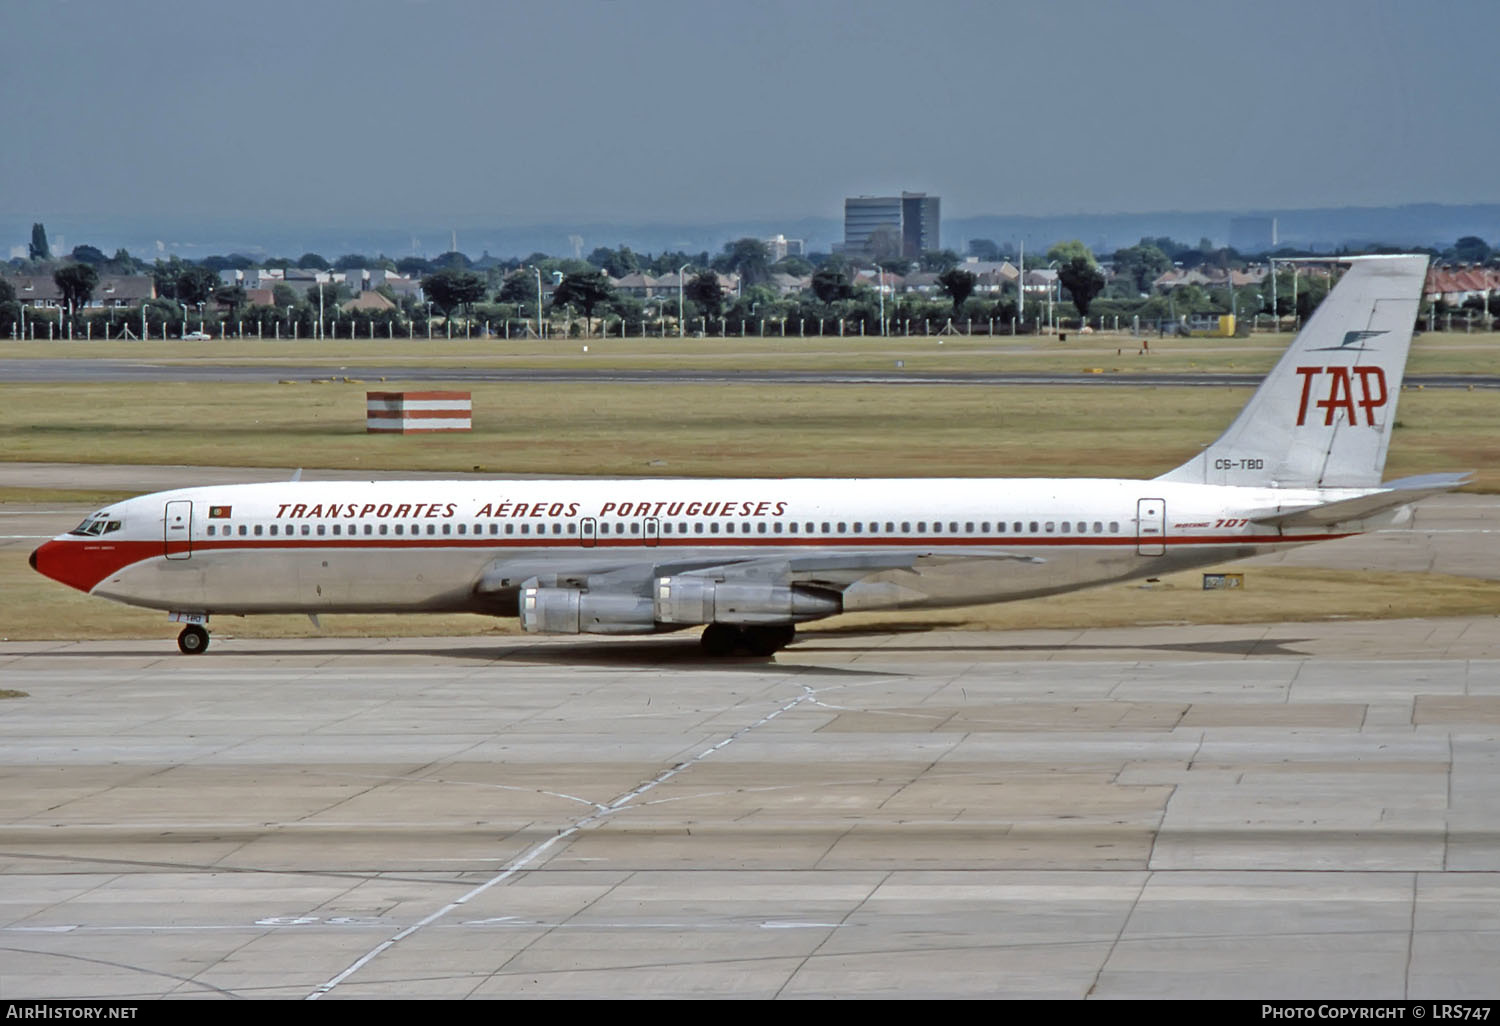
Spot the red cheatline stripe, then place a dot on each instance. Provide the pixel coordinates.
(573, 541)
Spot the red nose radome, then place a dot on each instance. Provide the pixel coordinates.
(83, 564)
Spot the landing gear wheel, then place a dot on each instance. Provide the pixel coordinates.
(193, 640)
(719, 639)
(767, 641)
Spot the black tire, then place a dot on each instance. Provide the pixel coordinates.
(720, 639)
(768, 640)
(193, 640)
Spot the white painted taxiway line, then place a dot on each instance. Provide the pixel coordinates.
(537, 851)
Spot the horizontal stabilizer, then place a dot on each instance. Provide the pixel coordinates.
(1393, 494)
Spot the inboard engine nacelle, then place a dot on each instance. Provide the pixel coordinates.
(674, 602)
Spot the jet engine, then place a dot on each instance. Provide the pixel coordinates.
(693, 600)
(571, 611)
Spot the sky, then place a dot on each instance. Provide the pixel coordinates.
(352, 111)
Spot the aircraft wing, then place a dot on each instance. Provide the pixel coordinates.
(1393, 493)
(831, 569)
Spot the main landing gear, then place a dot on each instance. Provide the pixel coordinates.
(723, 639)
(193, 640)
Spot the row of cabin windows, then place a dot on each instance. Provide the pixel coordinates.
(354, 530)
(682, 527)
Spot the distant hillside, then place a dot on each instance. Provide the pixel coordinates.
(1421, 224)
(1424, 224)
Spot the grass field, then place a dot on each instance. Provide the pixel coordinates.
(699, 430)
(738, 430)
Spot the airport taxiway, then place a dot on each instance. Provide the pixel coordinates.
(1286, 810)
(111, 370)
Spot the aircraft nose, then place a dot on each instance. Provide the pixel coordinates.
(32, 560)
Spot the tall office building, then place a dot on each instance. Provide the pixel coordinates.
(887, 227)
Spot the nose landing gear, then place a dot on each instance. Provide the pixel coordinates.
(193, 640)
(194, 637)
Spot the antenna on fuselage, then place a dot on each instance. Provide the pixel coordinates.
(297, 474)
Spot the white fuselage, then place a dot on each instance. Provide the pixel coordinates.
(429, 545)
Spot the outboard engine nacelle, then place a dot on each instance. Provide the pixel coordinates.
(692, 600)
(571, 611)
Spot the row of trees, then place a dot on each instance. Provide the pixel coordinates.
(495, 289)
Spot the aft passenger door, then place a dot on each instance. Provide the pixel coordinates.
(177, 530)
(1151, 527)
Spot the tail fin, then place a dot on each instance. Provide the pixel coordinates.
(1322, 418)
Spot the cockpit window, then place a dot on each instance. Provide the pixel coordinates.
(97, 524)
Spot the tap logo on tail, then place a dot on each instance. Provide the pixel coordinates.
(1341, 384)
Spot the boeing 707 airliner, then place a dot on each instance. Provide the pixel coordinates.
(748, 560)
